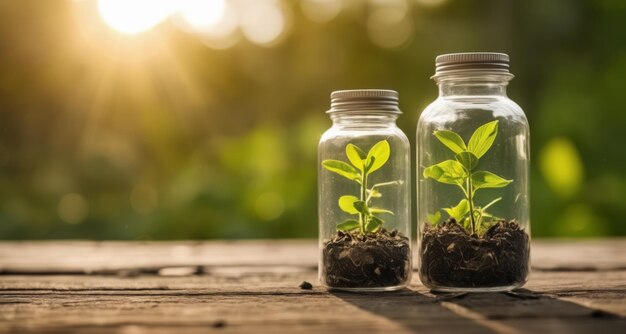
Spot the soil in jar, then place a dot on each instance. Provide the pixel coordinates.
(450, 257)
(371, 260)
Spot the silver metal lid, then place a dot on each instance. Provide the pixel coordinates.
(364, 99)
(489, 61)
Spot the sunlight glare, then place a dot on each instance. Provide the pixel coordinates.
(202, 14)
(263, 22)
(215, 21)
(135, 16)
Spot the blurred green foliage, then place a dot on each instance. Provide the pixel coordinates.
(160, 137)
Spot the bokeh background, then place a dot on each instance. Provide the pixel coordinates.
(199, 119)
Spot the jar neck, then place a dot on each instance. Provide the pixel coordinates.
(473, 85)
(364, 119)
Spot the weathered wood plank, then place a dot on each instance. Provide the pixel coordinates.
(89, 257)
(111, 256)
(242, 287)
(246, 302)
(252, 280)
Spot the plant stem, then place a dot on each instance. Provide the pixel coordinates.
(371, 190)
(363, 198)
(470, 200)
(385, 184)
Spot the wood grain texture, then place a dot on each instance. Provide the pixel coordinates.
(252, 287)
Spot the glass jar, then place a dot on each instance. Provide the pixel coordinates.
(364, 195)
(472, 185)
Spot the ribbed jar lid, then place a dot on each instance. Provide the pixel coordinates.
(364, 99)
(490, 61)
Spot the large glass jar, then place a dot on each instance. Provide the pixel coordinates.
(364, 194)
(472, 185)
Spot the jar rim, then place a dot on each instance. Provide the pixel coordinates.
(472, 63)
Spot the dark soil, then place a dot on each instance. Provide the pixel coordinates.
(452, 258)
(352, 260)
(306, 285)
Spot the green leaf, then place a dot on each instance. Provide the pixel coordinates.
(373, 193)
(435, 218)
(348, 225)
(483, 138)
(379, 210)
(468, 160)
(373, 224)
(380, 152)
(486, 224)
(361, 207)
(487, 215)
(452, 140)
(484, 179)
(491, 203)
(368, 162)
(449, 171)
(459, 211)
(466, 223)
(342, 169)
(354, 155)
(346, 203)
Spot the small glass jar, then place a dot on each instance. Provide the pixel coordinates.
(472, 185)
(364, 195)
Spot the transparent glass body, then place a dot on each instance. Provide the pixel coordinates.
(374, 259)
(487, 250)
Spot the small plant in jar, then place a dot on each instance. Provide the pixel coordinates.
(472, 248)
(363, 252)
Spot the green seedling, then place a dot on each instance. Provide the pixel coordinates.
(462, 172)
(359, 169)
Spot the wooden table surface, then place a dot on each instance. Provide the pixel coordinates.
(253, 286)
